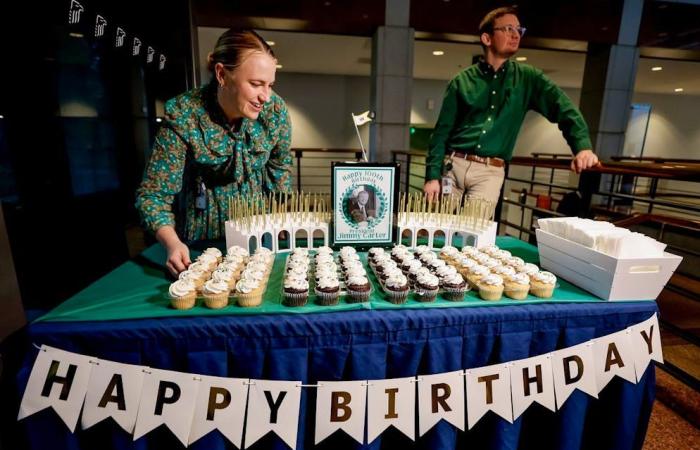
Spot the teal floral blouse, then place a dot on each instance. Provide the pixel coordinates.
(196, 152)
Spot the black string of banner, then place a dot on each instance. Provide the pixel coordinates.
(101, 30)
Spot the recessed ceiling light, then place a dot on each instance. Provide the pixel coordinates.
(521, 58)
(279, 66)
(438, 52)
(76, 35)
(1, 116)
(678, 90)
(270, 43)
(159, 119)
(656, 68)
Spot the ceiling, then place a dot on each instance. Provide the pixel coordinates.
(351, 55)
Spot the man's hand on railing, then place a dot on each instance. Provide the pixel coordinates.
(432, 189)
(585, 159)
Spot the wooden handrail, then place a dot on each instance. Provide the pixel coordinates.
(676, 221)
(327, 150)
(657, 159)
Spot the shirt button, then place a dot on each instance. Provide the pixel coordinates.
(492, 106)
(483, 131)
(478, 146)
(493, 92)
(489, 119)
(495, 76)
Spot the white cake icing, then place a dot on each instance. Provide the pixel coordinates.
(491, 263)
(296, 283)
(428, 257)
(327, 282)
(191, 275)
(519, 278)
(502, 254)
(492, 280)
(248, 274)
(467, 263)
(544, 277)
(208, 260)
(324, 250)
(478, 270)
(198, 266)
(396, 280)
(356, 280)
(427, 279)
(411, 264)
(489, 249)
(215, 287)
(236, 250)
(454, 279)
(355, 271)
(222, 274)
(181, 288)
(213, 251)
(469, 250)
(449, 250)
(481, 258)
(446, 271)
(529, 269)
(247, 285)
(437, 263)
(504, 270)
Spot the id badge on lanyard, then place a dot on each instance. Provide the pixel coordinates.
(200, 201)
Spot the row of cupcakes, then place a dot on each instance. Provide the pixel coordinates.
(386, 268)
(296, 278)
(431, 274)
(357, 283)
(495, 272)
(216, 278)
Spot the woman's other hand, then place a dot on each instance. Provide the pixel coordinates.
(178, 252)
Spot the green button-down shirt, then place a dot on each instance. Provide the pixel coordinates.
(482, 112)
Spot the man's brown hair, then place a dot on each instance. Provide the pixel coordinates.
(486, 25)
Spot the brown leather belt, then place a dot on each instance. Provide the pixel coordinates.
(495, 162)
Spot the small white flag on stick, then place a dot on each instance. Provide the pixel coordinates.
(359, 120)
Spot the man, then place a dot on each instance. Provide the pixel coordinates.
(483, 109)
(358, 208)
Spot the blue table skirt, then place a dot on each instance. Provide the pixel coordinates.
(351, 346)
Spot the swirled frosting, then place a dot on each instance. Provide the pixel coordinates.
(356, 280)
(445, 271)
(515, 261)
(247, 285)
(213, 251)
(428, 257)
(348, 251)
(422, 249)
(467, 263)
(191, 275)
(530, 269)
(355, 271)
(437, 263)
(449, 251)
(489, 249)
(347, 265)
(396, 280)
(324, 258)
(427, 279)
(479, 270)
(328, 282)
(415, 270)
(300, 272)
(545, 277)
(504, 270)
(491, 263)
(235, 259)
(481, 258)
(198, 266)
(215, 287)
(296, 283)
(237, 250)
(249, 274)
(324, 250)
(501, 254)
(519, 278)
(181, 288)
(222, 274)
(453, 279)
(469, 250)
(410, 264)
(207, 259)
(492, 280)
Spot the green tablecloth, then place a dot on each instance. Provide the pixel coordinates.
(138, 289)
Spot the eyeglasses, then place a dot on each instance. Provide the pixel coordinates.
(510, 29)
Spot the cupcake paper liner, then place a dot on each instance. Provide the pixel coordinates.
(253, 298)
(327, 298)
(426, 295)
(216, 301)
(455, 294)
(185, 302)
(295, 298)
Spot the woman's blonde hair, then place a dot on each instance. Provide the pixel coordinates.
(232, 46)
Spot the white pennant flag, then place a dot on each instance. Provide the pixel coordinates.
(220, 406)
(613, 356)
(391, 402)
(440, 396)
(340, 405)
(488, 389)
(59, 379)
(574, 368)
(273, 406)
(646, 344)
(114, 391)
(168, 398)
(363, 118)
(531, 381)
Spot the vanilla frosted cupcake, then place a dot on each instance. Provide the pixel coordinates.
(209, 261)
(542, 284)
(504, 271)
(469, 250)
(489, 249)
(237, 251)
(501, 255)
(214, 252)
(517, 286)
(201, 267)
(248, 292)
(476, 273)
(296, 291)
(226, 275)
(448, 253)
(491, 287)
(529, 269)
(515, 262)
(491, 263)
(464, 264)
(195, 276)
(481, 258)
(182, 294)
(327, 290)
(215, 293)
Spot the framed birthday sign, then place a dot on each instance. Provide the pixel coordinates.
(364, 203)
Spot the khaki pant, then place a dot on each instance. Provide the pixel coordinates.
(476, 179)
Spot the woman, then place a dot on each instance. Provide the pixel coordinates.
(225, 139)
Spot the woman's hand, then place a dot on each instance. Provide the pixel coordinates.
(178, 253)
(432, 189)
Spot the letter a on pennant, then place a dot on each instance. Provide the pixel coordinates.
(613, 356)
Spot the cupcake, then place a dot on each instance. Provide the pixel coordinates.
(448, 253)
(504, 271)
(501, 255)
(208, 261)
(490, 287)
(196, 277)
(469, 250)
(426, 287)
(214, 252)
(517, 286)
(182, 294)
(248, 291)
(215, 293)
(409, 264)
(515, 262)
(464, 264)
(327, 290)
(445, 272)
(414, 272)
(489, 249)
(476, 273)
(324, 250)
(199, 266)
(481, 258)
(396, 286)
(542, 284)
(454, 287)
(296, 291)
(358, 288)
(427, 257)
(529, 269)
(436, 264)
(422, 249)
(225, 275)
(237, 251)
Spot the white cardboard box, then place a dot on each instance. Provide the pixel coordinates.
(603, 275)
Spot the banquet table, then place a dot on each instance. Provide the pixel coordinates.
(368, 341)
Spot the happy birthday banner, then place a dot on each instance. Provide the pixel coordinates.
(104, 30)
(139, 398)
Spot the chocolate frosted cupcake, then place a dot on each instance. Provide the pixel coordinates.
(426, 287)
(327, 291)
(436, 264)
(454, 287)
(358, 288)
(414, 272)
(396, 287)
(408, 264)
(296, 291)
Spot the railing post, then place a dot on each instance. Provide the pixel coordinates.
(588, 185)
(297, 153)
(408, 171)
(652, 193)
